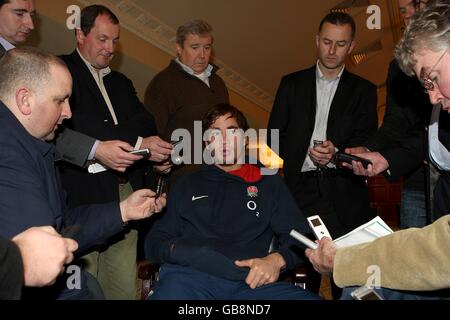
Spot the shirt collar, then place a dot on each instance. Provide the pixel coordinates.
(204, 74)
(102, 72)
(5, 44)
(321, 76)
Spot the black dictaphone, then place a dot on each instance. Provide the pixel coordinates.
(348, 158)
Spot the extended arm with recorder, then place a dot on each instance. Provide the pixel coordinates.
(348, 158)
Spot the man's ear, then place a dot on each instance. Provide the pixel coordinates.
(23, 101)
(178, 49)
(79, 35)
(317, 41)
(352, 46)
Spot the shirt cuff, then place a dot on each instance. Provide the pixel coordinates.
(331, 164)
(138, 143)
(93, 150)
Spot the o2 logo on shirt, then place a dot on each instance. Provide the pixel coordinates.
(252, 206)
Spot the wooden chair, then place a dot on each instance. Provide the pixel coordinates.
(148, 274)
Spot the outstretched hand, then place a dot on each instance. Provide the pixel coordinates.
(116, 155)
(141, 204)
(379, 163)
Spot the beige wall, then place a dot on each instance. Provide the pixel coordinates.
(136, 58)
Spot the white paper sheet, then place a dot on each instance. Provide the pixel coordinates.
(368, 232)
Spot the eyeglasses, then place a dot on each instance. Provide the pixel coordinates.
(425, 78)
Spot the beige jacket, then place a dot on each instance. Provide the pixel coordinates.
(412, 259)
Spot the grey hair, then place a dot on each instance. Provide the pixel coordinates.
(27, 67)
(195, 27)
(428, 29)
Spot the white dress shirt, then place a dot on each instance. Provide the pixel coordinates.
(439, 154)
(325, 91)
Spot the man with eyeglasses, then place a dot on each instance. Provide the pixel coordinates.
(406, 118)
(410, 260)
(400, 146)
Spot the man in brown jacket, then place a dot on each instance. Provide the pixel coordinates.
(412, 259)
(184, 91)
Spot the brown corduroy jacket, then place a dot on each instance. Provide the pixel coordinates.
(412, 259)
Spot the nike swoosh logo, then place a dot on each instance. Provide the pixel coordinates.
(194, 198)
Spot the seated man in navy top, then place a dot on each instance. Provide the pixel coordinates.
(213, 241)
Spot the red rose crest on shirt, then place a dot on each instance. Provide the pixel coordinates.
(252, 192)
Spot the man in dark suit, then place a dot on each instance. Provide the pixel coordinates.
(16, 22)
(402, 144)
(34, 99)
(330, 104)
(413, 259)
(105, 106)
(404, 126)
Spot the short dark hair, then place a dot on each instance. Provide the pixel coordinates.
(220, 110)
(339, 18)
(196, 27)
(89, 15)
(2, 2)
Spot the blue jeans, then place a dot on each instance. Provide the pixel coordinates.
(388, 294)
(183, 283)
(413, 212)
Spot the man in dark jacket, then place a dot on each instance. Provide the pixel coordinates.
(326, 103)
(214, 239)
(34, 92)
(402, 143)
(105, 106)
(401, 139)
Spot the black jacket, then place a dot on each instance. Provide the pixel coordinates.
(402, 137)
(11, 271)
(90, 116)
(2, 51)
(352, 120)
(31, 195)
